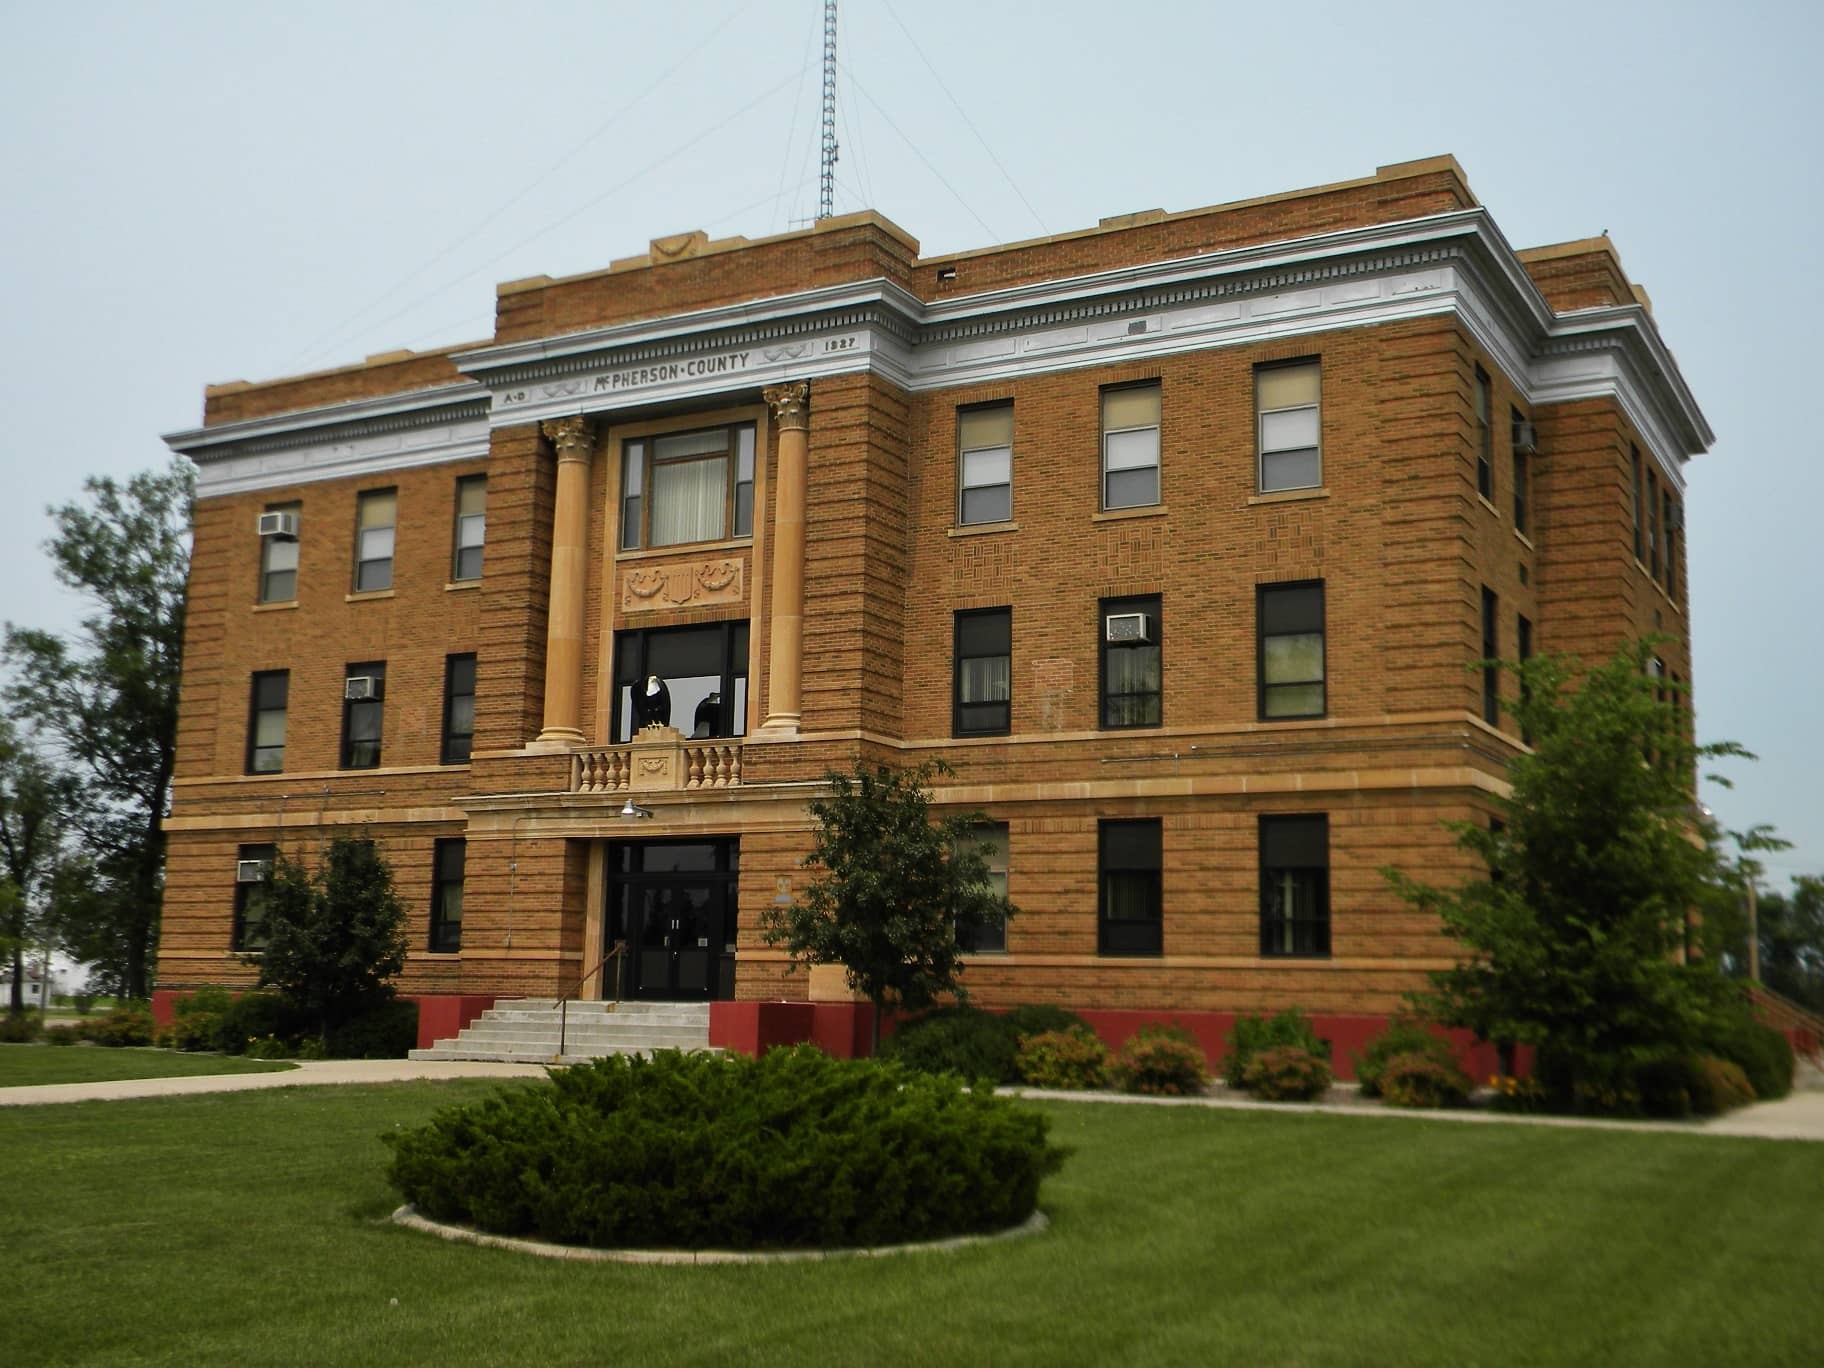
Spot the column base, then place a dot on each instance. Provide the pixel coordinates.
(558, 739)
(777, 727)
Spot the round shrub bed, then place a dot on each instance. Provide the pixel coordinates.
(689, 1151)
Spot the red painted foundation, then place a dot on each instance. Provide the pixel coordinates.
(440, 1016)
(843, 1029)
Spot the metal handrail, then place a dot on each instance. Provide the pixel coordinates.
(615, 951)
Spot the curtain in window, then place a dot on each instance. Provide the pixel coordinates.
(689, 501)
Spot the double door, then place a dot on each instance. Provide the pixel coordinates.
(673, 902)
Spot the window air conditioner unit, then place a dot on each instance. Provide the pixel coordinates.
(1128, 628)
(284, 526)
(249, 871)
(360, 688)
(1526, 437)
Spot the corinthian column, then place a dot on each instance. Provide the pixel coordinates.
(785, 651)
(574, 441)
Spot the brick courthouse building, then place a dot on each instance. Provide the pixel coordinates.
(1175, 537)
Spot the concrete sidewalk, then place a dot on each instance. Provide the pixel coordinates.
(306, 1074)
(1797, 1117)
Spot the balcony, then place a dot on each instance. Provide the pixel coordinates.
(659, 759)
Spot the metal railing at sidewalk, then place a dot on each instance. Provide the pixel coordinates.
(615, 951)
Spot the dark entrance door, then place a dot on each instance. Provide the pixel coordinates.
(673, 902)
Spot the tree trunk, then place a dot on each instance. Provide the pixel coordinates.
(17, 1006)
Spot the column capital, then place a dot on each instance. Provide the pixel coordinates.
(790, 404)
(574, 438)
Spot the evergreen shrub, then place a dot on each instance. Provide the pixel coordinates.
(121, 1027)
(1286, 1073)
(387, 1031)
(1719, 1086)
(1075, 1059)
(260, 1015)
(973, 1043)
(1255, 1034)
(1165, 1061)
(790, 1150)
(1403, 1036)
(196, 1019)
(1422, 1079)
(1761, 1052)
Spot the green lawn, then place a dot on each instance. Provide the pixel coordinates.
(30, 1065)
(247, 1229)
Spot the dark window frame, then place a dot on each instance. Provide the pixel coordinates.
(989, 938)
(1668, 504)
(457, 746)
(1640, 545)
(1491, 652)
(254, 711)
(958, 630)
(632, 649)
(457, 548)
(1483, 404)
(1158, 430)
(441, 941)
(1281, 836)
(1262, 688)
(1653, 535)
(362, 576)
(244, 893)
(1130, 937)
(1523, 478)
(638, 462)
(1151, 604)
(266, 595)
(1523, 652)
(351, 759)
(963, 489)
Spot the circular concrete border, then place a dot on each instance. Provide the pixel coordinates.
(406, 1216)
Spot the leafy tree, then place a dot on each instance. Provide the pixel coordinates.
(34, 802)
(893, 888)
(335, 938)
(1582, 935)
(1792, 941)
(108, 701)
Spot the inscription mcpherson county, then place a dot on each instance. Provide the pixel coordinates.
(638, 377)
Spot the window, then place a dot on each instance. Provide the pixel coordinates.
(250, 930)
(363, 694)
(266, 723)
(1290, 622)
(1295, 885)
(1130, 446)
(1491, 650)
(471, 527)
(1522, 476)
(1132, 694)
(702, 671)
(375, 513)
(687, 487)
(458, 709)
(1485, 440)
(1523, 649)
(1653, 524)
(984, 673)
(990, 838)
(1285, 398)
(1130, 914)
(984, 439)
(1640, 546)
(447, 863)
(279, 558)
(1673, 518)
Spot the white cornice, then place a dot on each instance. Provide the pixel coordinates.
(387, 412)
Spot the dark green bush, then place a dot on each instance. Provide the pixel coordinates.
(388, 1031)
(1421, 1079)
(965, 1041)
(1664, 1086)
(18, 1028)
(196, 1019)
(793, 1149)
(120, 1027)
(1286, 1073)
(1254, 1034)
(260, 1015)
(1165, 1061)
(1761, 1052)
(1075, 1059)
(1720, 1086)
(1403, 1036)
(1036, 1018)
(63, 1033)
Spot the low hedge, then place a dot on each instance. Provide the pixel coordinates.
(790, 1150)
(1421, 1079)
(1286, 1073)
(1074, 1059)
(1165, 1061)
(1252, 1035)
(973, 1043)
(1403, 1036)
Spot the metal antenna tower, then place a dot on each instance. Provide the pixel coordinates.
(826, 200)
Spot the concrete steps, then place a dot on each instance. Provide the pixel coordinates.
(525, 1031)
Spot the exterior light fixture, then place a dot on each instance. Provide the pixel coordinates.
(634, 810)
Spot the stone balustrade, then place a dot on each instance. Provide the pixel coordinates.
(658, 759)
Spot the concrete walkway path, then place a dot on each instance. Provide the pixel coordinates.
(1799, 1116)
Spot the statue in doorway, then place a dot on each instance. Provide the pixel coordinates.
(651, 704)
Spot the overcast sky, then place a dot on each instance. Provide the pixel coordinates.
(195, 192)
